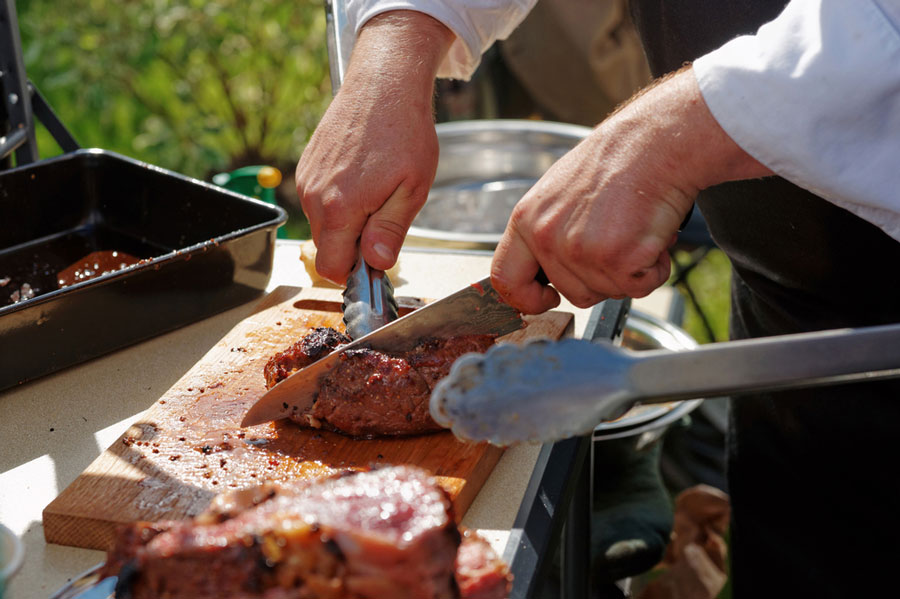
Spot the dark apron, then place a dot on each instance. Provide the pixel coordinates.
(813, 475)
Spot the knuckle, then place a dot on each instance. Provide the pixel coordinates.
(333, 209)
(545, 237)
(642, 286)
(584, 300)
(389, 228)
(418, 195)
(576, 252)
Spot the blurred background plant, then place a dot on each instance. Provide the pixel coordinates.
(196, 86)
(710, 284)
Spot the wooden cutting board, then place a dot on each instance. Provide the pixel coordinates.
(188, 446)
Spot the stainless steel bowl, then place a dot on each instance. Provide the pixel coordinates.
(485, 167)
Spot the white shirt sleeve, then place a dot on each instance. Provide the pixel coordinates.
(476, 23)
(815, 96)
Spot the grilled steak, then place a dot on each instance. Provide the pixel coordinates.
(317, 344)
(373, 393)
(388, 533)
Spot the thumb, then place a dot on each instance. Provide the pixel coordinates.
(386, 228)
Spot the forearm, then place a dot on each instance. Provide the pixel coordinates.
(398, 52)
(669, 124)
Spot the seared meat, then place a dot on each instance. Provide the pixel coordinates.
(433, 357)
(388, 533)
(317, 344)
(480, 574)
(372, 393)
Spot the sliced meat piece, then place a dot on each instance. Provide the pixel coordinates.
(480, 574)
(373, 393)
(317, 344)
(370, 535)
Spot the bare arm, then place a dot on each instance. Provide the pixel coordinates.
(601, 219)
(368, 167)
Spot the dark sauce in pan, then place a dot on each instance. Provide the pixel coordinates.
(45, 265)
(94, 265)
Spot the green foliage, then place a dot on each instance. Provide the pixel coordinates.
(710, 281)
(193, 86)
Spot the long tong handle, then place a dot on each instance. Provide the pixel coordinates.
(543, 391)
(768, 364)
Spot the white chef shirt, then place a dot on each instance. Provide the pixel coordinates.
(814, 94)
(476, 23)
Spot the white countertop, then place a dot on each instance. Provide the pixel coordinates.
(51, 429)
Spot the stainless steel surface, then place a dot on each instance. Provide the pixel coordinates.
(475, 309)
(485, 167)
(368, 300)
(543, 391)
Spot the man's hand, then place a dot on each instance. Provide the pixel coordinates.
(368, 167)
(601, 220)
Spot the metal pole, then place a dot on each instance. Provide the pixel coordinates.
(335, 22)
(16, 98)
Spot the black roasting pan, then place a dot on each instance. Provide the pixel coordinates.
(203, 249)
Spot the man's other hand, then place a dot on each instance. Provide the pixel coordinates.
(601, 220)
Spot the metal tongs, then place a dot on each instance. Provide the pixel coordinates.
(543, 391)
(369, 301)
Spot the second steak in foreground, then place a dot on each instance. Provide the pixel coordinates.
(387, 533)
(372, 393)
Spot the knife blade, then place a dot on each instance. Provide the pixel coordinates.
(475, 309)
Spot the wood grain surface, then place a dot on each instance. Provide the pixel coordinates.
(188, 446)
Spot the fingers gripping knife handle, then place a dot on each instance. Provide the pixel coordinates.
(369, 301)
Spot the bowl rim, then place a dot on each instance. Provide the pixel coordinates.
(11, 564)
(446, 131)
(516, 125)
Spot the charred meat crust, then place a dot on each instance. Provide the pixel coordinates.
(372, 393)
(317, 344)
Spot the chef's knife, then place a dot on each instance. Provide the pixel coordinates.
(544, 391)
(473, 310)
(368, 300)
